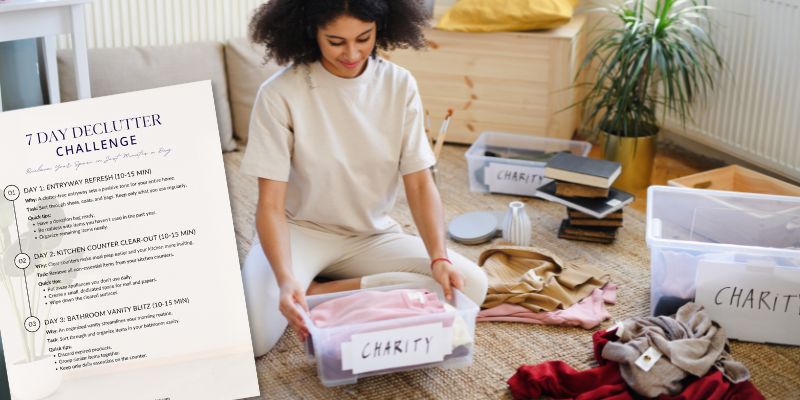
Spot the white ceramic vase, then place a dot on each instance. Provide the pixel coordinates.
(517, 225)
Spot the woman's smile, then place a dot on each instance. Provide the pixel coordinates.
(351, 65)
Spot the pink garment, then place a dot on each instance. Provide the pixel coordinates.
(368, 306)
(588, 313)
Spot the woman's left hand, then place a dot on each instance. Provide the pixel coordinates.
(446, 275)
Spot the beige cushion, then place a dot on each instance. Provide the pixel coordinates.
(127, 69)
(246, 71)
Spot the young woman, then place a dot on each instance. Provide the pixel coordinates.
(331, 135)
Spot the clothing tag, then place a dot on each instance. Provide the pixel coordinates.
(648, 359)
(533, 276)
(613, 202)
(418, 296)
(620, 328)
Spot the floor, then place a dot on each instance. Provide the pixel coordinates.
(502, 347)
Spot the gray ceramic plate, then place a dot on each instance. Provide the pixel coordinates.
(474, 227)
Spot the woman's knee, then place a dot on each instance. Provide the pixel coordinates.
(262, 300)
(266, 328)
(395, 278)
(475, 281)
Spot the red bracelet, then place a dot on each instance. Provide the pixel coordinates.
(440, 259)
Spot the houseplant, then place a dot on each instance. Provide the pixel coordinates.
(656, 58)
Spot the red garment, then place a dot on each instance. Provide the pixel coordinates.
(558, 380)
(599, 340)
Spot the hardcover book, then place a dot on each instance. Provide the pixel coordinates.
(575, 214)
(594, 231)
(577, 190)
(595, 222)
(598, 208)
(562, 234)
(585, 171)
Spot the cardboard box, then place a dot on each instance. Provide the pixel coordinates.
(736, 179)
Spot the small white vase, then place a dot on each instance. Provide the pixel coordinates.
(517, 225)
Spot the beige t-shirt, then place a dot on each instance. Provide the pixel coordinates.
(341, 144)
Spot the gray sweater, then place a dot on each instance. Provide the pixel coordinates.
(691, 344)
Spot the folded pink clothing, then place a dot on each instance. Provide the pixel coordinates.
(370, 305)
(588, 313)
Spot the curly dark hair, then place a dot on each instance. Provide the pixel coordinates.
(288, 28)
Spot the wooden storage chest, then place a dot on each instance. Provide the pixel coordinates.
(517, 82)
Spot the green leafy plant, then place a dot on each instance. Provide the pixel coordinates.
(651, 58)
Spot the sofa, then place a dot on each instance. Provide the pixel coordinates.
(236, 69)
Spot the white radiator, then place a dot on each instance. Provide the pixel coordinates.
(754, 113)
(120, 23)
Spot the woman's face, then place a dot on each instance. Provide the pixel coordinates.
(345, 44)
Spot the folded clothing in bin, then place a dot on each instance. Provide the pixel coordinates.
(394, 305)
(375, 306)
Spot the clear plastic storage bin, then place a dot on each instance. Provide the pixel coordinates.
(335, 349)
(513, 163)
(687, 226)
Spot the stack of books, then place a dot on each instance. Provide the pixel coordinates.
(583, 185)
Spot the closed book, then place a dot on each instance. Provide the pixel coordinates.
(586, 239)
(577, 190)
(597, 208)
(575, 214)
(593, 231)
(595, 222)
(585, 171)
(564, 235)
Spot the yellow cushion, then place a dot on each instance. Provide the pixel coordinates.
(506, 15)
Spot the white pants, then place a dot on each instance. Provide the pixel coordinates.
(377, 259)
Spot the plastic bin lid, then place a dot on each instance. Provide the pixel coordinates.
(701, 219)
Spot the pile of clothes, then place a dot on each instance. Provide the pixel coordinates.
(681, 357)
(533, 285)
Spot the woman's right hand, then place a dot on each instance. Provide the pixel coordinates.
(293, 293)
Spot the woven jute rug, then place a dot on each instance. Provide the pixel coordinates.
(285, 372)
